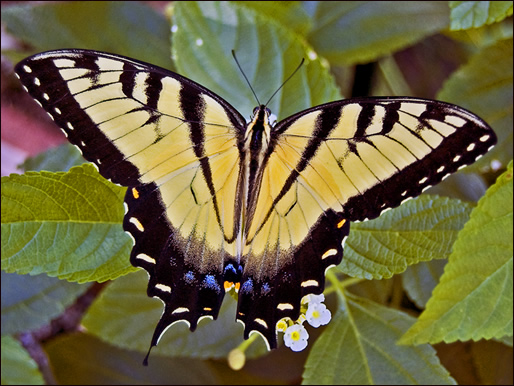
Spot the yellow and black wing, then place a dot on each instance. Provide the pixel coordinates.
(175, 144)
(215, 200)
(332, 164)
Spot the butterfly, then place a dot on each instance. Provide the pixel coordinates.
(215, 202)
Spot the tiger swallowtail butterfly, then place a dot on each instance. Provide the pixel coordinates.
(215, 202)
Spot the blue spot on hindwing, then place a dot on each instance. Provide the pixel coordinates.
(247, 286)
(210, 282)
(189, 277)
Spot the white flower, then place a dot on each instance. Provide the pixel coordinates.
(296, 337)
(311, 298)
(318, 314)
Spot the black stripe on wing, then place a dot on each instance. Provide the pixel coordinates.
(470, 141)
(324, 125)
(43, 81)
(193, 107)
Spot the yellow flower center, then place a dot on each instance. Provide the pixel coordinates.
(281, 326)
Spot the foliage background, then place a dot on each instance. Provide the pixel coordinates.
(460, 52)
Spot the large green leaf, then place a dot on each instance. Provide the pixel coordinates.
(29, 302)
(289, 14)
(18, 368)
(358, 348)
(484, 86)
(65, 224)
(126, 28)
(207, 32)
(349, 32)
(126, 317)
(474, 14)
(419, 230)
(474, 297)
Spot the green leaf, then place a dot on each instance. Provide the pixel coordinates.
(61, 158)
(206, 32)
(419, 280)
(65, 224)
(474, 297)
(289, 14)
(83, 359)
(474, 14)
(125, 28)
(29, 302)
(484, 86)
(419, 230)
(349, 32)
(358, 347)
(126, 317)
(464, 186)
(381, 291)
(18, 368)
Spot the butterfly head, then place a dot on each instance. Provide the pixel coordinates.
(258, 130)
(267, 116)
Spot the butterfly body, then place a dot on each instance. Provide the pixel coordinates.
(213, 200)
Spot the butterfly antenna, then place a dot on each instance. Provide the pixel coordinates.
(285, 81)
(247, 81)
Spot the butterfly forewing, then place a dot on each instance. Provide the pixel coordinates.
(373, 153)
(180, 149)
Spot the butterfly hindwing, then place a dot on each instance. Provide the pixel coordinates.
(212, 200)
(275, 281)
